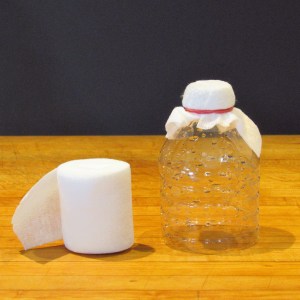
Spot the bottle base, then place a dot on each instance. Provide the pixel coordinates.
(215, 240)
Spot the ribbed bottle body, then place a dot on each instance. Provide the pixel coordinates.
(209, 191)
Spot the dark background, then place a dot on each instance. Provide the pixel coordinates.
(119, 67)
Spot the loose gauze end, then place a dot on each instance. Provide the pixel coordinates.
(36, 220)
(86, 202)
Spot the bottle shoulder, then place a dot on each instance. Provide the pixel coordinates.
(192, 143)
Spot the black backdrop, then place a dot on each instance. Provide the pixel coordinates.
(119, 67)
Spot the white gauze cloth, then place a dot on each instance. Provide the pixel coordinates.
(36, 220)
(213, 95)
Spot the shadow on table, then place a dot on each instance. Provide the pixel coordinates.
(271, 239)
(51, 253)
(135, 252)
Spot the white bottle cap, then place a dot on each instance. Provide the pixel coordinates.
(208, 95)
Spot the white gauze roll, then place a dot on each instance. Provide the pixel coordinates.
(96, 205)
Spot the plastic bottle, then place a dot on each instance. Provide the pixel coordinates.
(210, 188)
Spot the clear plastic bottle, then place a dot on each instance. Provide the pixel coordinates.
(210, 187)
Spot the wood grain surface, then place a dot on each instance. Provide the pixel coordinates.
(150, 270)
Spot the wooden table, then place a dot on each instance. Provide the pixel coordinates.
(150, 270)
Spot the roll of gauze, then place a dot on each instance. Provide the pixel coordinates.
(96, 205)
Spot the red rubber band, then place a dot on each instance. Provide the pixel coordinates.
(209, 111)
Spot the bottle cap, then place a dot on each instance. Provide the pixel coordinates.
(208, 95)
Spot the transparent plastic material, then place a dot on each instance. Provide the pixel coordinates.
(209, 191)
